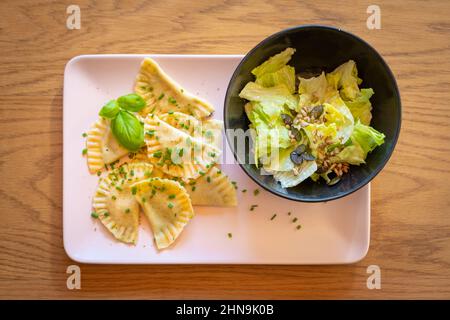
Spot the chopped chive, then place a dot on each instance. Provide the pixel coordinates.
(132, 172)
(84, 151)
(161, 96)
(106, 214)
(84, 135)
(170, 205)
(181, 152)
(94, 215)
(127, 210)
(150, 133)
(208, 179)
(219, 172)
(143, 199)
(172, 196)
(201, 173)
(273, 217)
(99, 173)
(113, 197)
(157, 154)
(299, 226)
(294, 220)
(244, 190)
(256, 192)
(230, 235)
(133, 190)
(172, 100)
(119, 188)
(170, 112)
(147, 174)
(253, 206)
(193, 188)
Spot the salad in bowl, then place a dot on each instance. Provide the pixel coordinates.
(307, 125)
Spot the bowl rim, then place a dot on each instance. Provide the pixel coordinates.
(364, 181)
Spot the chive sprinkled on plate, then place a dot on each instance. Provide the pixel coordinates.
(99, 173)
(244, 190)
(94, 215)
(253, 206)
(133, 190)
(84, 151)
(208, 179)
(230, 235)
(256, 192)
(273, 217)
(170, 205)
(294, 220)
(172, 100)
(84, 135)
(299, 227)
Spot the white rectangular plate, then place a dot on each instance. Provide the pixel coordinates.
(335, 232)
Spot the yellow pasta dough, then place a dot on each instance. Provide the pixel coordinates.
(163, 94)
(175, 152)
(166, 205)
(115, 204)
(212, 189)
(102, 147)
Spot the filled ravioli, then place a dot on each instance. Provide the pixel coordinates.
(166, 205)
(163, 94)
(209, 130)
(175, 152)
(115, 204)
(101, 146)
(214, 188)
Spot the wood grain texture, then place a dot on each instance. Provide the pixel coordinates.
(410, 237)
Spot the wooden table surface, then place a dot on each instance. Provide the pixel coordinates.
(410, 238)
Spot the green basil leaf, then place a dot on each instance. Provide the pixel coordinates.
(128, 131)
(109, 110)
(131, 102)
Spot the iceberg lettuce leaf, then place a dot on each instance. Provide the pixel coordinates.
(367, 137)
(361, 107)
(284, 76)
(345, 79)
(273, 97)
(274, 63)
(288, 179)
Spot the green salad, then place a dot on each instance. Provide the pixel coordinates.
(313, 127)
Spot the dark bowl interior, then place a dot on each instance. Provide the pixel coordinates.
(321, 48)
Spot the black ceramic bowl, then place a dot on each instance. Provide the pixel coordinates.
(321, 48)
